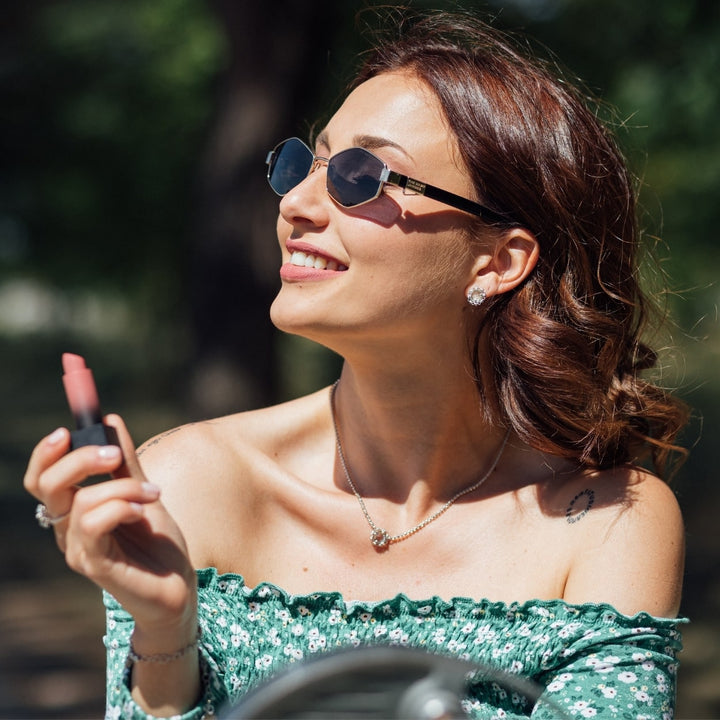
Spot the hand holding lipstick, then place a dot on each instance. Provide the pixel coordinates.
(118, 533)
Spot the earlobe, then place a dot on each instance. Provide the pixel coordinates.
(515, 257)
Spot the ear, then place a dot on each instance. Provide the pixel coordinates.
(512, 259)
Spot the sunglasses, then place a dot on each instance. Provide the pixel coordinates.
(355, 176)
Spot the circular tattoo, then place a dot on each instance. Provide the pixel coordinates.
(589, 496)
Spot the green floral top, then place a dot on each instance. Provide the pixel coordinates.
(591, 659)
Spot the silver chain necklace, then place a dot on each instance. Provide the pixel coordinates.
(380, 538)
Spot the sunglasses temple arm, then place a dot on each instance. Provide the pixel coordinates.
(443, 196)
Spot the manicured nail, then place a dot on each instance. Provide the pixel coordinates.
(139, 508)
(150, 489)
(56, 436)
(109, 452)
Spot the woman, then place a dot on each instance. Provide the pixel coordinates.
(468, 485)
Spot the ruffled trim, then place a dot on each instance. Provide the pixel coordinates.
(233, 584)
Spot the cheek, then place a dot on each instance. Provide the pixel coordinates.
(428, 270)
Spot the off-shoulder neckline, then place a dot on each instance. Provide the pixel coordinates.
(233, 583)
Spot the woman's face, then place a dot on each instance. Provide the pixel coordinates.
(399, 264)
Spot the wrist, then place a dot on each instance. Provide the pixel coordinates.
(167, 640)
(164, 657)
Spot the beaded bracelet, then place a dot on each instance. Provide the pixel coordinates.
(164, 657)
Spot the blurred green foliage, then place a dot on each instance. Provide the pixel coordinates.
(104, 108)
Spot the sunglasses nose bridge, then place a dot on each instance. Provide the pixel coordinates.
(317, 163)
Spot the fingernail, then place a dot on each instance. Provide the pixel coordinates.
(150, 489)
(109, 452)
(139, 508)
(56, 436)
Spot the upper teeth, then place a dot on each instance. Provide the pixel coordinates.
(318, 262)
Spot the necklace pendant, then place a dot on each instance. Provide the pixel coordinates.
(380, 538)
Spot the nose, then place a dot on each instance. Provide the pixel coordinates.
(308, 202)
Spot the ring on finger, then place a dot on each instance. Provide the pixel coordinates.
(45, 519)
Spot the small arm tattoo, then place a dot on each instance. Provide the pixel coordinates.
(586, 498)
(159, 438)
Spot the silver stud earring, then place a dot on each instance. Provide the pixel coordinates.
(476, 296)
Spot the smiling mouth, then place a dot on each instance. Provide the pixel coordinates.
(308, 260)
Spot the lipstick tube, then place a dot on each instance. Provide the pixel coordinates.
(85, 405)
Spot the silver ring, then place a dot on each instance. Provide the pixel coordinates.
(45, 519)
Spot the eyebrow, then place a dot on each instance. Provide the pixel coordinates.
(369, 142)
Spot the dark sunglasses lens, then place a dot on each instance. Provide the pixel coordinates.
(353, 177)
(290, 164)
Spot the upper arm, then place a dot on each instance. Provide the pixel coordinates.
(632, 553)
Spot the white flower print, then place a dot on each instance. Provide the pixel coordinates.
(265, 661)
(317, 643)
(253, 634)
(627, 677)
(398, 636)
(542, 639)
(607, 664)
(455, 646)
(293, 652)
(438, 637)
(484, 634)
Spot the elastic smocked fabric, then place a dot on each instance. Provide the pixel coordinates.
(591, 659)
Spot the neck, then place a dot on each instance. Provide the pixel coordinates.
(412, 440)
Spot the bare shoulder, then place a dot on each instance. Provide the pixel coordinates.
(629, 538)
(211, 472)
(192, 446)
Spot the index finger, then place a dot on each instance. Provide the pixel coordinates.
(48, 451)
(130, 466)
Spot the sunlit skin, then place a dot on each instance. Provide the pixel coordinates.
(261, 493)
(407, 259)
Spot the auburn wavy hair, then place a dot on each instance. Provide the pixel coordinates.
(560, 359)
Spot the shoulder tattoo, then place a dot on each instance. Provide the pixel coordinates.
(580, 505)
(159, 438)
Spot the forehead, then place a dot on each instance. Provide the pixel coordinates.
(397, 107)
